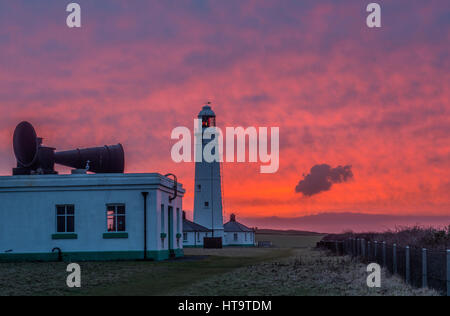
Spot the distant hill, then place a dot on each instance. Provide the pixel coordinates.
(287, 232)
(340, 222)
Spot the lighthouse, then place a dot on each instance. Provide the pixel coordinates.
(208, 191)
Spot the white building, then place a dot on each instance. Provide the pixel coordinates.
(208, 192)
(237, 234)
(90, 217)
(193, 233)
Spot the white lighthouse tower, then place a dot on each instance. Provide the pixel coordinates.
(208, 191)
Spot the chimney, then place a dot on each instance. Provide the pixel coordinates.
(184, 215)
(232, 218)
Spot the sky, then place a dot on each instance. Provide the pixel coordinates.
(374, 102)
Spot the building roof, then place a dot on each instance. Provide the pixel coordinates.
(234, 226)
(206, 111)
(189, 226)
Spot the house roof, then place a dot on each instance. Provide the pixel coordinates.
(233, 226)
(189, 226)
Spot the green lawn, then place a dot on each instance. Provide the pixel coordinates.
(165, 278)
(130, 277)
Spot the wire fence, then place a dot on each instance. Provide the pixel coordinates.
(419, 267)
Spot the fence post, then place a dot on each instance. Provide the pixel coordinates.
(394, 258)
(347, 248)
(360, 246)
(384, 253)
(350, 246)
(363, 248)
(353, 247)
(424, 268)
(408, 265)
(375, 251)
(448, 272)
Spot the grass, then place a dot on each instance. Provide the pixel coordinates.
(293, 268)
(306, 272)
(131, 277)
(166, 278)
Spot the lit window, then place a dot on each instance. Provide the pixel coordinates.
(208, 121)
(116, 217)
(65, 218)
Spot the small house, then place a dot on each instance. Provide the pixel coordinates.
(193, 233)
(237, 234)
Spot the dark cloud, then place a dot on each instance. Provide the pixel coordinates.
(322, 177)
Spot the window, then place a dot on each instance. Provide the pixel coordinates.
(185, 237)
(65, 218)
(235, 237)
(206, 204)
(116, 217)
(199, 187)
(245, 236)
(162, 219)
(198, 236)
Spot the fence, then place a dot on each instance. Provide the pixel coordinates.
(419, 267)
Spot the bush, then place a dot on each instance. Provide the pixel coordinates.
(416, 236)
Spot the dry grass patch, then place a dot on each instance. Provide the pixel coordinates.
(307, 272)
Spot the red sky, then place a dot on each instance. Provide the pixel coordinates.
(341, 93)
